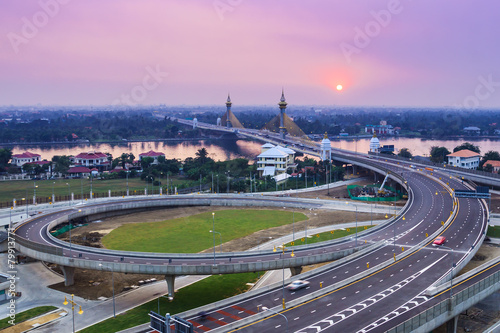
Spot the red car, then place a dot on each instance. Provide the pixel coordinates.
(439, 241)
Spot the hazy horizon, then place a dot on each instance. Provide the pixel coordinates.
(395, 53)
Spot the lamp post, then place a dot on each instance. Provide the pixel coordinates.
(451, 271)
(283, 249)
(265, 308)
(228, 181)
(73, 303)
(213, 228)
(356, 239)
(27, 203)
(113, 282)
(69, 194)
(10, 217)
(220, 239)
(127, 184)
(34, 193)
(53, 197)
(169, 299)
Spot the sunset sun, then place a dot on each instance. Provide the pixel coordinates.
(339, 87)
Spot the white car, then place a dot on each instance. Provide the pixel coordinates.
(298, 284)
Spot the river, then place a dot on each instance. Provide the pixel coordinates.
(224, 150)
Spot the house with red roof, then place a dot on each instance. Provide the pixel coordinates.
(494, 164)
(152, 154)
(26, 157)
(465, 158)
(92, 160)
(78, 172)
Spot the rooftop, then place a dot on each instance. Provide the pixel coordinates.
(26, 154)
(464, 153)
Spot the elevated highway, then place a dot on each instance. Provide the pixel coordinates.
(379, 288)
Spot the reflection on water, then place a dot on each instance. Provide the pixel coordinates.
(224, 150)
(416, 146)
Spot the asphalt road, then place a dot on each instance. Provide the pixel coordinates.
(374, 303)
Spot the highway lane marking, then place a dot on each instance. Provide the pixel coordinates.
(368, 302)
(350, 284)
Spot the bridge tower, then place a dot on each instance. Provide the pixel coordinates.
(228, 111)
(282, 105)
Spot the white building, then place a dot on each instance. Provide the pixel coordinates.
(275, 160)
(374, 144)
(466, 159)
(91, 159)
(26, 157)
(325, 149)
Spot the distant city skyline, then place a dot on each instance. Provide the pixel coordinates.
(392, 53)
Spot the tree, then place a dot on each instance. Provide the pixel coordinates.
(438, 154)
(5, 156)
(62, 163)
(467, 145)
(126, 158)
(202, 155)
(28, 168)
(146, 162)
(405, 152)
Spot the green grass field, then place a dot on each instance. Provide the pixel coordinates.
(192, 233)
(25, 188)
(493, 231)
(209, 290)
(25, 315)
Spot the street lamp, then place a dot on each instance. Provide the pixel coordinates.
(213, 234)
(34, 193)
(356, 241)
(113, 282)
(53, 197)
(220, 239)
(73, 303)
(69, 194)
(265, 308)
(451, 271)
(283, 248)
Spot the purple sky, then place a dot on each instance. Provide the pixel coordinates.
(426, 53)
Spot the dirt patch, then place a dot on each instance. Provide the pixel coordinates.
(340, 193)
(485, 253)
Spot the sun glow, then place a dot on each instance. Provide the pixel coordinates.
(339, 87)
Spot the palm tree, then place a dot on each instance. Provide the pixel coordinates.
(202, 155)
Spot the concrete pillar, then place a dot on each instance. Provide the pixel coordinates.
(451, 325)
(14, 203)
(170, 284)
(69, 275)
(296, 270)
(109, 193)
